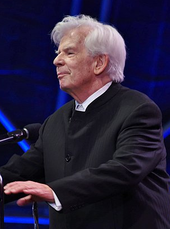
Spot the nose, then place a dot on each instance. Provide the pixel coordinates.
(58, 61)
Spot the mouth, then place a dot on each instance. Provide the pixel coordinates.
(61, 74)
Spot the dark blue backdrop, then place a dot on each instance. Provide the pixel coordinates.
(28, 84)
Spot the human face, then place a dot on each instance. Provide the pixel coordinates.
(74, 64)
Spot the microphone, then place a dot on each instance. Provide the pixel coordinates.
(30, 132)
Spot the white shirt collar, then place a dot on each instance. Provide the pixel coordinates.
(83, 106)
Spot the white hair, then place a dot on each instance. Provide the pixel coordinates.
(102, 39)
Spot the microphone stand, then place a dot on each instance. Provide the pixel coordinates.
(35, 214)
(6, 140)
(1, 204)
(11, 139)
(2, 141)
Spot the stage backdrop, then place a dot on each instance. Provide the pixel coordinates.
(29, 90)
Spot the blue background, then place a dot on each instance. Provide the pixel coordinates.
(29, 89)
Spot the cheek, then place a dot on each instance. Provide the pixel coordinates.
(87, 70)
(86, 65)
(81, 69)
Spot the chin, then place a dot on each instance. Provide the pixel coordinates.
(64, 88)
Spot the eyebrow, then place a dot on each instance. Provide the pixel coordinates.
(65, 49)
(56, 52)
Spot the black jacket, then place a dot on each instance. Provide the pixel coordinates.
(107, 165)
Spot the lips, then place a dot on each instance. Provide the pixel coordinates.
(61, 74)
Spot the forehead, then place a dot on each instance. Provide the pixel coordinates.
(74, 37)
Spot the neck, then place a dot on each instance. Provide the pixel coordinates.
(81, 95)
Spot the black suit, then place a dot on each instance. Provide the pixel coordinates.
(107, 165)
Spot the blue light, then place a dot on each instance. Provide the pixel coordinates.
(76, 7)
(62, 98)
(10, 127)
(166, 133)
(5, 122)
(24, 145)
(25, 220)
(105, 10)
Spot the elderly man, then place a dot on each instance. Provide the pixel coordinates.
(100, 160)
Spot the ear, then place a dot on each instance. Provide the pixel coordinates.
(101, 63)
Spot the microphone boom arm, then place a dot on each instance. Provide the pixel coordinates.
(29, 132)
(6, 140)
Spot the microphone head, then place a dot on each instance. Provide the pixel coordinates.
(17, 135)
(32, 131)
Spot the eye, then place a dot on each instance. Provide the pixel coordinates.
(70, 53)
